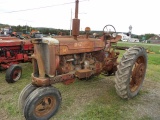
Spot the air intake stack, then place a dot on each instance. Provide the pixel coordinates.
(76, 22)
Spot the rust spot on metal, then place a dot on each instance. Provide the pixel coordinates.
(40, 81)
(67, 82)
(45, 106)
(138, 73)
(84, 73)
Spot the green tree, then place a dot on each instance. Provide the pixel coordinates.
(147, 36)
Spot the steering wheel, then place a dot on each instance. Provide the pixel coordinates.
(110, 31)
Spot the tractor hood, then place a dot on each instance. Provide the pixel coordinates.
(46, 40)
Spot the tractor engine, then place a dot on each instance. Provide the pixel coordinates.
(84, 65)
(61, 60)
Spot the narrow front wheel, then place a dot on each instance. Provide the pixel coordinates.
(42, 103)
(27, 90)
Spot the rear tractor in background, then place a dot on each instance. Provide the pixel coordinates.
(65, 58)
(14, 51)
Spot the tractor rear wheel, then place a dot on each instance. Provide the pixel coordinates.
(131, 72)
(42, 103)
(13, 73)
(24, 94)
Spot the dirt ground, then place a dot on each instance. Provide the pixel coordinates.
(147, 104)
(150, 101)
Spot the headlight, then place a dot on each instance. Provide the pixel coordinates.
(114, 35)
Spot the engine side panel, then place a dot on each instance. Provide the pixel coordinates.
(80, 46)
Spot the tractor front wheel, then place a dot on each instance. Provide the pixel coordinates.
(24, 94)
(13, 73)
(42, 103)
(131, 72)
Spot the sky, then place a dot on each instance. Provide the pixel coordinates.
(142, 15)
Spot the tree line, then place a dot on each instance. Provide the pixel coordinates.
(40, 29)
(143, 37)
(26, 29)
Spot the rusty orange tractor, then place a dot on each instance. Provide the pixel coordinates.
(62, 59)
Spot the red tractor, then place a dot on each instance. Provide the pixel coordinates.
(12, 52)
(63, 59)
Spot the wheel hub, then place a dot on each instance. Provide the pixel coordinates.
(137, 76)
(16, 75)
(45, 106)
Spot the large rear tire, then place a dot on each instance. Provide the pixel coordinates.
(42, 103)
(13, 73)
(131, 72)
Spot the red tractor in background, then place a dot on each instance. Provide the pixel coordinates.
(12, 52)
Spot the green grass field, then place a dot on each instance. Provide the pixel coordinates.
(94, 99)
(151, 47)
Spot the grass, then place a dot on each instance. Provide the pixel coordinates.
(151, 47)
(94, 99)
(9, 93)
(104, 106)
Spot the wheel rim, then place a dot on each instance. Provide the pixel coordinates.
(16, 75)
(45, 106)
(138, 72)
